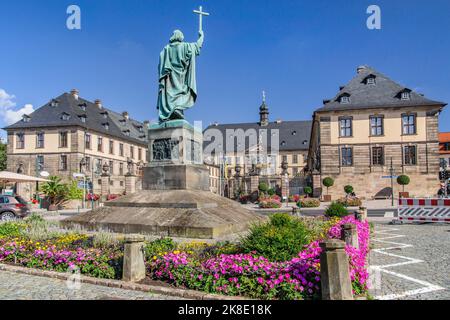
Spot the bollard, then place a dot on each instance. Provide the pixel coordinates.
(349, 235)
(334, 271)
(133, 259)
(363, 213)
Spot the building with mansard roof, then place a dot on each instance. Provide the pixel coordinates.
(264, 145)
(70, 134)
(370, 123)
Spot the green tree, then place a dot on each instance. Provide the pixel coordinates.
(2, 156)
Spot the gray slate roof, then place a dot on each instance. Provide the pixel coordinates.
(51, 116)
(385, 93)
(293, 135)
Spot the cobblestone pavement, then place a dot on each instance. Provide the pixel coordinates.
(16, 286)
(410, 261)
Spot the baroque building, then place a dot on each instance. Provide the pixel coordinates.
(371, 123)
(266, 149)
(70, 135)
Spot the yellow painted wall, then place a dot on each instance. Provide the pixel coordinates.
(392, 127)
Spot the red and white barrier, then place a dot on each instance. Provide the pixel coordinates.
(424, 210)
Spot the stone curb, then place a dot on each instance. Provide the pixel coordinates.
(168, 291)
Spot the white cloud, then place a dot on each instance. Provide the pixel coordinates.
(7, 105)
(6, 100)
(12, 116)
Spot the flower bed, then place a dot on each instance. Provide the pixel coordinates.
(308, 203)
(222, 268)
(254, 276)
(270, 203)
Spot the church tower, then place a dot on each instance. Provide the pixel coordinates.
(264, 112)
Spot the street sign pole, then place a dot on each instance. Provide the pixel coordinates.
(391, 171)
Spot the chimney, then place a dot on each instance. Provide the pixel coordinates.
(278, 121)
(98, 103)
(74, 93)
(125, 115)
(146, 124)
(360, 69)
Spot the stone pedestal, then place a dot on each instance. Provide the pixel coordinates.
(254, 183)
(176, 159)
(349, 235)
(317, 184)
(176, 200)
(285, 187)
(334, 271)
(104, 188)
(133, 259)
(130, 183)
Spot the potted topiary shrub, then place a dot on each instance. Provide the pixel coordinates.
(348, 190)
(263, 188)
(327, 182)
(308, 191)
(403, 180)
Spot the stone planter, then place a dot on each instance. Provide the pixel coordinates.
(327, 198)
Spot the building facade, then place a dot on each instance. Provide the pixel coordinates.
(266, 149)
(72, 135)
(370, 124)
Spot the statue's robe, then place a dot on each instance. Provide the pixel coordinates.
(177, 84)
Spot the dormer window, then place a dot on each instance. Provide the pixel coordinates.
(294, 133)
(106, 126)
(83, 118)
(141, 129)
(283, 143)
(127, 133)
(65, 116)
(370, 81)
(405, 95)
(123, 121)
(26, 118)
(83, 106)
(345, 100)
(105, 115)
(54, 103)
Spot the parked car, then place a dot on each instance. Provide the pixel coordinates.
(13, 207)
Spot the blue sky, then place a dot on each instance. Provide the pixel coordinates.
(299, 52)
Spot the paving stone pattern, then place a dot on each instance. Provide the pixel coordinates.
(429, 249)
(16, 286)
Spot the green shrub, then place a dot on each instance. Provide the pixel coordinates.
(159, 247)
(336, 210)
(74, 193)
(307, 190)
(308, 203)
(271, 192)
(11, 229)
(348, 189)
(280, 239)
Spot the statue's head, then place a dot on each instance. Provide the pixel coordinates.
(178, 36)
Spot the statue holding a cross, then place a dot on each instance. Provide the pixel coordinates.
(177, 79)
